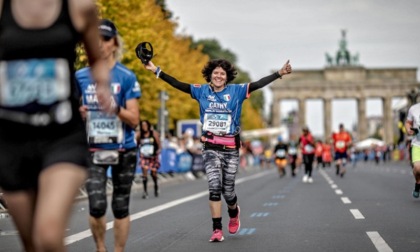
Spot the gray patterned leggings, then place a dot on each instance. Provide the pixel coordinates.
(122, 180)
(221, 167)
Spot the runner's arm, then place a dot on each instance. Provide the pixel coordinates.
(86, 11)
(137, 136)
(184, 87)
(408, 125)
(286, 69)
(263, 82)
(350, 142)
(130, 114)
(156, 135)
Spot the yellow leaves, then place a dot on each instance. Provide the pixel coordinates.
(250, 118)
(144, 20)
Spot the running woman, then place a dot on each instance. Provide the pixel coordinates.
(412, 124)
(111, 140)
(293, 157)
(280, 156)
(43, 146)
(327, 153)
(341, 142)
(318, 154)
(220, 112)
(307, 146)
(149, 148)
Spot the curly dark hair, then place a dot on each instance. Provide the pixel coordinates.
(149, 127)
(226, 65)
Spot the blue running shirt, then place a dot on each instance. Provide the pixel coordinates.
(220, 112)
(107, 131)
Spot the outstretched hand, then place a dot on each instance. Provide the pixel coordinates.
(150, 66)
(286, 69)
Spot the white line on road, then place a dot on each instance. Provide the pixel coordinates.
(327, 178)
(379, 243)
(338, 191)
(357, 214)
(345, 200)
(333, 186)
(87, 233)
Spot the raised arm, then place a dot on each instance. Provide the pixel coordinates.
(184, 87)
(286, 69)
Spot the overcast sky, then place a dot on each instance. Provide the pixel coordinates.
(265, 33)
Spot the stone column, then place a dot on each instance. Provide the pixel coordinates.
(362, 123)
(275, 113)
(388, 123)
(302, 112)
(327, 118)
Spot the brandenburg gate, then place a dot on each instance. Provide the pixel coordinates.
(345, 79)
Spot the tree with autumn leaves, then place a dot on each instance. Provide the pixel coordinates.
(146, 20)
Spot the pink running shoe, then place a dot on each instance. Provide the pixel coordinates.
(217, 236)
(235, 223)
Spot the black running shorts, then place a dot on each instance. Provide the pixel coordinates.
(23, 155)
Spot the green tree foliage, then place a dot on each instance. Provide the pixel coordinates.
(214, 50)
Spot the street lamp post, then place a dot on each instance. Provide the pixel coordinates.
(163, 114)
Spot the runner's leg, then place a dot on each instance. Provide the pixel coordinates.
(122, 178)
(21, 207)
(54, 203)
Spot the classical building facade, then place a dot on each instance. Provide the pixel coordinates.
(345, 83)
(345, 79)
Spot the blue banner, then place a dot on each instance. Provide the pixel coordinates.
(184, 162)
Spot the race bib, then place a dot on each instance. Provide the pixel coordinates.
(44, 81)
(105, 157)
(308, 148)
(218, 124)
(292, 151)
(147, 150)
(281, 153)
(340, 144)
(103, 128)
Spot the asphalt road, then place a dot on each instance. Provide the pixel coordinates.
(370, 209)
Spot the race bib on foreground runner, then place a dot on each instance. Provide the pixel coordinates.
(218, 124)
(103, 128)
(44, 81)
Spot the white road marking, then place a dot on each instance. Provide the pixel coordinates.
(357, 214)
(374, 236)
(379, 242)
(345, 200)
(246, 231)
(87, 233)
(327, 178)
